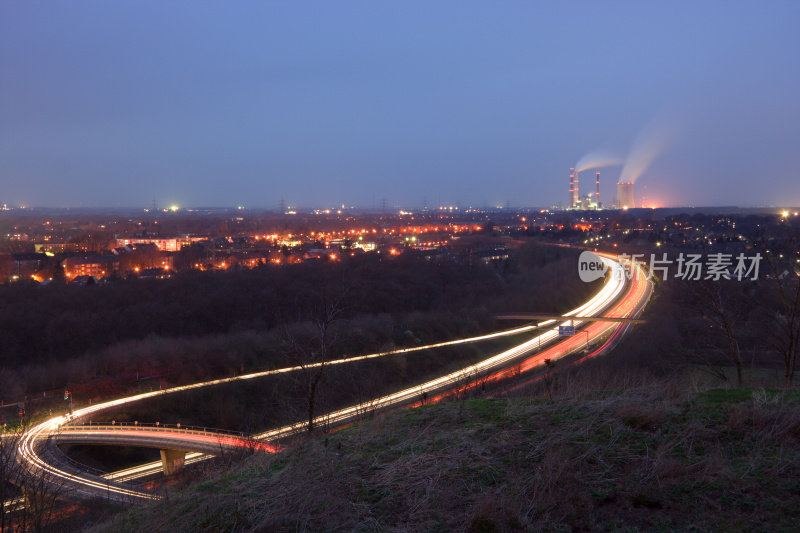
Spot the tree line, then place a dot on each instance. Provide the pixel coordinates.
(199, 324)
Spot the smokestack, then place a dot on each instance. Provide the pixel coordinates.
(597, 194)
(577, 192)
(571, 188)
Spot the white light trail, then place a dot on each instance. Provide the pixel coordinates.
(604, 298)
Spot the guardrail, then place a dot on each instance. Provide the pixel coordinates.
(172, 428)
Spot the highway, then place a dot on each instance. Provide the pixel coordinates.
(506, 363)
(630, 306)
(611, 300)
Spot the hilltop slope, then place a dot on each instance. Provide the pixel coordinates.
(642, 460)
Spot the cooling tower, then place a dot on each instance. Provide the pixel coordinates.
(625, 195)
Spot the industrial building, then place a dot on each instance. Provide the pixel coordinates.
(587, 202)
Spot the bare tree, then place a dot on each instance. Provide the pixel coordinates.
(723, 306)
(9, 476)
(783, 309)
(42, 492)
(313, 350)
(29, 499)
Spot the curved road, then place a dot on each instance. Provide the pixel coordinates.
(609, 301)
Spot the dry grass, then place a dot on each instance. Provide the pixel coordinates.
(656, 457)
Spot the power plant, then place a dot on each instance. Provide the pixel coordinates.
(625, 195)
(591, 201)
(575, 200)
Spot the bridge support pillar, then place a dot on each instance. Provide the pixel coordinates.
(172, 461)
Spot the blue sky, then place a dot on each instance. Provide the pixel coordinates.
(323, 103)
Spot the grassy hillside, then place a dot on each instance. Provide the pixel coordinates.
(651, 459)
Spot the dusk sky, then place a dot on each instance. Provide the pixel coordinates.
(113, 103)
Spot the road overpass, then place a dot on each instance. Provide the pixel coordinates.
(214, 442)
(173, 442)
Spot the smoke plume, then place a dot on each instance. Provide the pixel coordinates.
(597, 159)
(650, 142)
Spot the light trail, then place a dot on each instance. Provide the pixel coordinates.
(632, 303)
(604, 298)
(28, 442)
(14, 504)
(149, 469)
(81, 413)
(160, 437)
(29, 454)
(80, 483)
(630, 306)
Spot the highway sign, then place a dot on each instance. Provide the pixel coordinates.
(566, 331)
